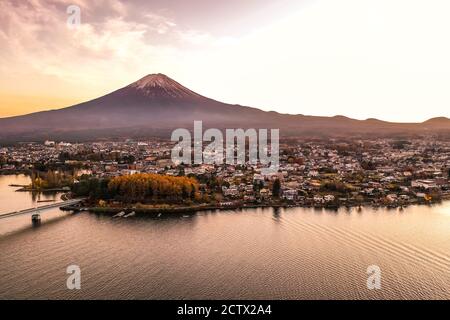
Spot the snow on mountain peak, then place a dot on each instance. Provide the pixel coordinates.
(155, 85)
(154, 80)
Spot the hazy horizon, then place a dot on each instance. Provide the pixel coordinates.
(337, 115)
(359, 59)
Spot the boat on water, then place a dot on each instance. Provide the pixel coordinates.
(130, 214)
(119, 215)
(159, 214)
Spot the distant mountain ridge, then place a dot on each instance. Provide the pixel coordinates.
(157, 104)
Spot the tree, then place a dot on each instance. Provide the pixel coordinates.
(63, 156)
(129, 159)
(276, 188)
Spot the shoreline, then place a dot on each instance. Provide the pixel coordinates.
(27, 188)
(200, 208)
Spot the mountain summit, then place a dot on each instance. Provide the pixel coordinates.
(160, 85)
(156, 104)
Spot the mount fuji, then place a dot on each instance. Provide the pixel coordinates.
(157, 104)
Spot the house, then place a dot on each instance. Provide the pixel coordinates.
(249, 198)
(425, 184)
(318, 199)
(313, 173)
(404, 189)
(162, 163)
(290, 194)
(391, 197)
(265, 193)
(249, 189)
(230, 192)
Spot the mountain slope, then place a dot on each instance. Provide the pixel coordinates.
(156, 104)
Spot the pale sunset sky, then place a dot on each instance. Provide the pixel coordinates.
(386, 59)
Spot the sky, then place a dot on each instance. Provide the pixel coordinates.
(385, 59)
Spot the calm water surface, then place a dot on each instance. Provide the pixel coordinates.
(11, 201)
(250, 254)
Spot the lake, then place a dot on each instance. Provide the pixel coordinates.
(293, 253)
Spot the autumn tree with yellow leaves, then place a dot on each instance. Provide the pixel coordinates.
(153, 187)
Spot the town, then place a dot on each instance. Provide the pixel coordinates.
(312, 172)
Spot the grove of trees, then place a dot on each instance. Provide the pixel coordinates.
(153, 187)
(51, 179)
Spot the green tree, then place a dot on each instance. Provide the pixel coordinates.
(276, 188)
(129, 159)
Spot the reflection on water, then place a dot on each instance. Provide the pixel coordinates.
(250, 254)
(11, 201)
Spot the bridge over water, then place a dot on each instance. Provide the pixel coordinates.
(40, 209)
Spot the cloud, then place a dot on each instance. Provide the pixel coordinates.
(110, 40)
(360, 58)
